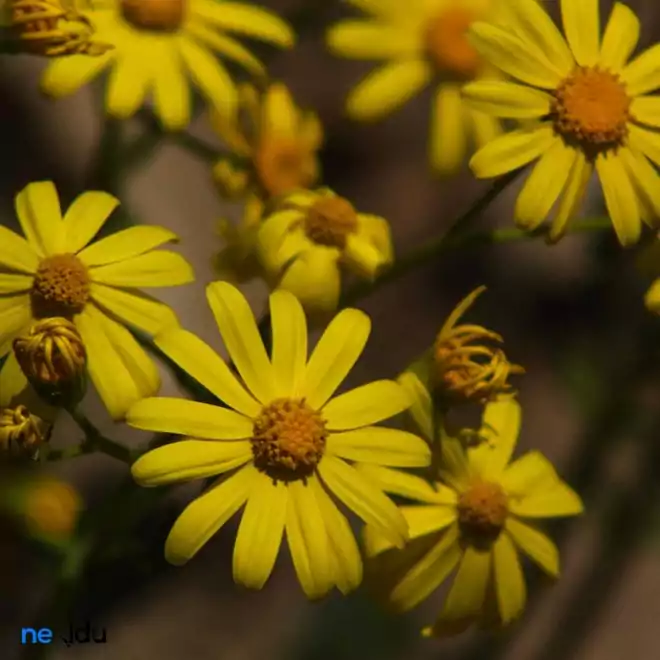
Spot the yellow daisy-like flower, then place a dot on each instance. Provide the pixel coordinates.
(477, 516)
(421, 42)
(282, 446)
(56, 272)
(314, 235)
(588, 108)
(162, 45)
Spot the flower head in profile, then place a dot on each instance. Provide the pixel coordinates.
(313, 237)
(476, 517)
(160, 48)
(422, 42)
(56, 271)
(587, 108)
(280, 445)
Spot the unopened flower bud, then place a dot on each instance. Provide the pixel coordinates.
(21, 433)
(50, 508)
(231, 181)
(53, 358)
(469, 365)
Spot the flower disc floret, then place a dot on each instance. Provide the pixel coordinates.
(482, 511)
(330, 221)
(156, 15)
(61, 287)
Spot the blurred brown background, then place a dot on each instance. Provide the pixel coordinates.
(572, 315)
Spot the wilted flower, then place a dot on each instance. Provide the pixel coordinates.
(21, 433)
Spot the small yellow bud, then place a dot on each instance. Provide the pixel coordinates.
(469, 366)
(51, 508)
(53, 358)
(232, 182)
(21, 433)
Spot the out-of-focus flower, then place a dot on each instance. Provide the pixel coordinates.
(21, 433)
(468, 364)
(50, 508)
(56, 272)
(52, 356)
(587, 108)
(480, 512)
(648, 264)
(283, 448)
(314, 235)
(278, 144)
(421, 43)
(161, 46)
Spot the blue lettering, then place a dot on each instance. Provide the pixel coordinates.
(32, 636)
(45, 636)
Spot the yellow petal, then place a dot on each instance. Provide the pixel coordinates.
(363, 498)
(15, 315)
(620, 38)
(134, 308)
(16, 253)
(544, 185)
(485, 128)
(428, 573)
(271, 235)
(65, 75)
(421, 409)
(530, 473)
(642, 75)
(314, 279)
(652, 297)
(536, 545)
(646, 110)
(377, 231)
(551, 501)
(335, 354)
(509, 580)
(240, 334)
(260, 532)
(448, 129)
(38, 211)
(247, 19)
(308, 541)
(511, 151)
(171, 89)
(382, 446)
(205, 515)
(210, 76)
(620, 197)
(186, 460)
(644, 178)
(455, 468)
(86, 215)
(516, 57)
(202, 363)
(12, 381)
(279, 112)
(388, 88)
(128, 83)
(199, 420)
(506, 99)
(582, 29)
(362, 257)
(157, 268)
(365, 39)
(407, 485)
(123, 244)
(345, 556)
(289, 354)
(365, 405)
(500, 428)
(11, 283)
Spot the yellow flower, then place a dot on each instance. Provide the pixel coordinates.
(588, 109)
(477, 516)
(312, 236)
(161, 45)
(56, 272)
(421, 42)
(50, 508)
(282, 445)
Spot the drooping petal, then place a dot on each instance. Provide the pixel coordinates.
(364, 39)
(289, 355)
(529, 473)
(190, 418)
(620, 38)
(16, 253)
(582, 29)
(199, 360)
(86, 215)
(308, 541)
(455, 469)
(552, 501)
(271, 235)
(65, 75)
(15, 314)
(240, 334)
(509, 580)
(646, 110)
(506, 99)
(38, 211)
(381, 446)
(260, 532)
(421, 409)
(171, 89)
(335, 354)
(12, 380)
(642, 75)
(535, 544)
(363, 498)
(128, 82)
(645, 180)
(159, 268)
(11, 283)
(206, 514)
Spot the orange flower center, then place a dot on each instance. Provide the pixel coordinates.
(330, 220)
(283, 165)
(52, 508)
(61, 287)
(154, 15)
(447, 44)
(592, 108)
(482, 512)
(288, 439)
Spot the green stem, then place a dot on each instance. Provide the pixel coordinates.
(96, 441)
